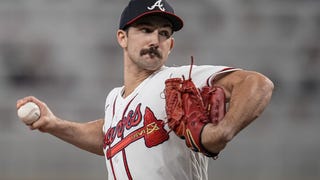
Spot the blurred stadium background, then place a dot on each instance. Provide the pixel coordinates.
(65, 53)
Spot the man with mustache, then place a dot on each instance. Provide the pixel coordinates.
(134, 136)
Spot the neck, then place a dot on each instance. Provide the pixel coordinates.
(131, 82)
(133, 77)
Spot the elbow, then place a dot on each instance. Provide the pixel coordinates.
(96, 149)
(261, 86)
(262, 89)
(98, 152)
(265, 87)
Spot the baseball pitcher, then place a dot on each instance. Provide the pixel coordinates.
(164, 122)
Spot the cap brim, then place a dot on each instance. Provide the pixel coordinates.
(176, 21)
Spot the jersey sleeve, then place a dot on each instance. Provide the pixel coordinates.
(108, 104)
(223, 70)
(201, 75)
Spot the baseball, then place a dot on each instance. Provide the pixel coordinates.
(29, 113)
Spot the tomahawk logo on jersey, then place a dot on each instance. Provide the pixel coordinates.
(152, 131)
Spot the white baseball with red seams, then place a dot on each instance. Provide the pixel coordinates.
(137, 143)
(29, 113)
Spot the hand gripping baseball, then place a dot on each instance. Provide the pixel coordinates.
(189, 110)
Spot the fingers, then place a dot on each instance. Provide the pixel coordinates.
(33, 99)
(38, 124)
(24, 100)
(44, 111)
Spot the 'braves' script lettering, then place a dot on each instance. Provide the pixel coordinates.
(132, 119)
(152, 132)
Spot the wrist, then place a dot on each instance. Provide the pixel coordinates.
(214, 138)
(53, 125)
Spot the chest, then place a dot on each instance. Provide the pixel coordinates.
(140, 117)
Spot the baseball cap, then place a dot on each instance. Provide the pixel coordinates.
(140, 8)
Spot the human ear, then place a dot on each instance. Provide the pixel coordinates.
(122, 38)
(171, 45)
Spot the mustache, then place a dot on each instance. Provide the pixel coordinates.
(152, 51)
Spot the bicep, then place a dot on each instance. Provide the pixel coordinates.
(95, 133)
(96, 128)
(228, 81)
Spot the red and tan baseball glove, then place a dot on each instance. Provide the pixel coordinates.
(190, 109)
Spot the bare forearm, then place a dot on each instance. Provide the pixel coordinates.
(247, 102)
(87, 136)
(248, 98)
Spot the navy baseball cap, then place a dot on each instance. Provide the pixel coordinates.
(140, 8)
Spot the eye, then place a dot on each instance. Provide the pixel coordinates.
(146, 30)
(165, 33)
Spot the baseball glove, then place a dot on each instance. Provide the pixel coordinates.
(190, 109)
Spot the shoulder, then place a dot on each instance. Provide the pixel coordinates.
(114, 92)
(241, 75)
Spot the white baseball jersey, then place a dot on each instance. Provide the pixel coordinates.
(137, 144)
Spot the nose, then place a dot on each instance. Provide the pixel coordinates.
(154, 39)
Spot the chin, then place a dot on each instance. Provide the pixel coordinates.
(154, 68)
